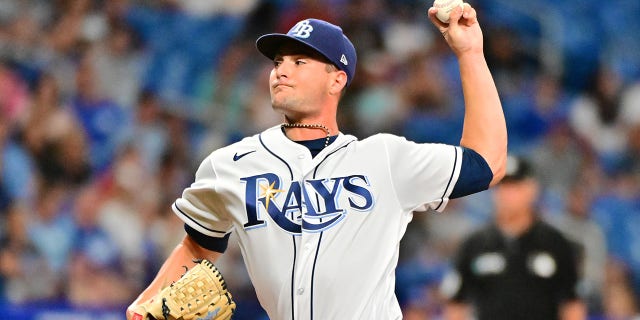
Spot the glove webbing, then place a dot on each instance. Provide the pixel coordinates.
(195, 289)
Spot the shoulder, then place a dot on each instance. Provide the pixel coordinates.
(225, 156)
(246, 144)
(552, 236)
(482, 237)
(488, 232)
(382, 138)
(392, 142)
(547, 230)
(375, 143)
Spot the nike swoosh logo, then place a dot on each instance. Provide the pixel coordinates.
(237, 156)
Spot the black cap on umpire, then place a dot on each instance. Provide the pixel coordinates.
(518, 169)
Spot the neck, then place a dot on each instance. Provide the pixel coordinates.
(306, 126)
(309, 129)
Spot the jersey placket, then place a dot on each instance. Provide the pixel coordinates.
(306, 257)
(303, 280)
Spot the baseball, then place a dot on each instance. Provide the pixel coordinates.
(445, 7)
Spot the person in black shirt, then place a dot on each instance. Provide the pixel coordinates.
(517, 267)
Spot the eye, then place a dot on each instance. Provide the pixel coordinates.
(277, 62)
(300, 62)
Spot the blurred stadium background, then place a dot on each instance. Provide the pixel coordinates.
(107, 107)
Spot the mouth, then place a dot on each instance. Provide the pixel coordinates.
(281, 85)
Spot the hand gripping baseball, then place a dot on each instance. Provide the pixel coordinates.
(200, 294)
(462, 33)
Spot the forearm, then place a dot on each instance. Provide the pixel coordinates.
(174, 267)
(484, 127)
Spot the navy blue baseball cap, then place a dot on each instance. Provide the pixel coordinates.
(321, 36)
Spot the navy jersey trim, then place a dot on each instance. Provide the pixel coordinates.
(293, 239)
(211, 243)
(316, 145)
(315, 171)
(293, 278)
(175, 205)
(455, 163)
(475, 174)
(275, 155)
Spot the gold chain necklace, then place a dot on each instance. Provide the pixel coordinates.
(310, 126)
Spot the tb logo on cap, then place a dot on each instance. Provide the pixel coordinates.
(302, 29)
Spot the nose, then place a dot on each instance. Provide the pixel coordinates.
(282, 69)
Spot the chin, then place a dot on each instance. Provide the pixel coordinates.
(277, 105)
(281, 104)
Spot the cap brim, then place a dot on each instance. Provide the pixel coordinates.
(511, 179)
(269, 44)
(518, 177)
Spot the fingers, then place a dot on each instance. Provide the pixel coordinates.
(469, 14)
(455, 15)
(466, 15)
(432, 16)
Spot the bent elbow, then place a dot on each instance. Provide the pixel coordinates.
(498, 167)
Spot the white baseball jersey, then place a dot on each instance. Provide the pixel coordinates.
(320, 236)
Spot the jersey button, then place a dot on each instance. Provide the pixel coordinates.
(300, 291)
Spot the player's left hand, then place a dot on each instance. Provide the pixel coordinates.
(201, 293)
(462, 33)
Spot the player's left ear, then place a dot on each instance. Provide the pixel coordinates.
(338, 82)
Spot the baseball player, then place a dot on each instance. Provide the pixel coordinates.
(318, 213)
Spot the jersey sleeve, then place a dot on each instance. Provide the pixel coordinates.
(423, 175)
(200, 206)
(475, 174)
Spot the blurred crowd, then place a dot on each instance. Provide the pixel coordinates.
(107, 107)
